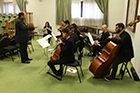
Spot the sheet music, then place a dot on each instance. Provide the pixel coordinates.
(47, 36)
(54, 36)
(43, 43)
(90, 38)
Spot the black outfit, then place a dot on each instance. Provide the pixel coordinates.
(22, 37)
(66, 55)
(125, 52)
(103, 41)
(48, 32)
(74, 37)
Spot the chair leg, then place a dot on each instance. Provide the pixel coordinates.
(32, 48)
(81, 71)
(121, 69)
(78, 74)
(11, 56)
(128, 73)
(18, 52)
(65, 70)
(29, 49)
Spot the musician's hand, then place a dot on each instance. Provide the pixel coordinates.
(97, 42)
(36, 26)
(46, 27)
(110, 37)
(60, 41)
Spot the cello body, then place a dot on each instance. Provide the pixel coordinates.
(100, 66)
(56, 53)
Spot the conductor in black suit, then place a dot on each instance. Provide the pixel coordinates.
(22, 36)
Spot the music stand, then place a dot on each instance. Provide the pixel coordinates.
(44, 44)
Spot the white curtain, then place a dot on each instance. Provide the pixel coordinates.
(10, 7)
(1, 6)
(91, 13)
(76, 12)
(16, 8)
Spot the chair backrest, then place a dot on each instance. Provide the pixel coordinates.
(4, 42)
(76, 46)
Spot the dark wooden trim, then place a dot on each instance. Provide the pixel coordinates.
(136, 11)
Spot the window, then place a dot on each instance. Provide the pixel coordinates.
(86, 12)
(10, 7)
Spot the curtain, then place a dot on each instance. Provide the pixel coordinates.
(63, 10)
(8, 7)
(103, 5)
(22, 5)
(1, 6)
(15, 6)
(92, 15)
(75, 7)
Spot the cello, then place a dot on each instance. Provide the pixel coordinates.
(58, 48)
(100, 66)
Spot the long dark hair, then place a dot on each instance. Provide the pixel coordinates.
(48, 25)
(74, 25)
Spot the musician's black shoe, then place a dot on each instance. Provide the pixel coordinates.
(60, 72)
(109, 78)
(27, 62)
(29, 59)
(93, 55)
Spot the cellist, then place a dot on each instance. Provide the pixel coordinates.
(125, 52)
(66, 55)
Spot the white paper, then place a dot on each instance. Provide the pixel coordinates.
(47, 36)
(71, 70)
(43, 43)
(54, 36)
(51, 49)
(90, 38)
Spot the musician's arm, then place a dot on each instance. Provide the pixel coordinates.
(66, 47)
(123, 39)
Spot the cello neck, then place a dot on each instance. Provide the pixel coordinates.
(130, 24)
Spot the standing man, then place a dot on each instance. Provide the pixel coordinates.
(125, 53)
(22, 36)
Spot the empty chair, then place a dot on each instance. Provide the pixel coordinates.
(4, 15)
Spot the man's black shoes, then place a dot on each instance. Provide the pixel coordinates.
(26, 62)
(29, 59)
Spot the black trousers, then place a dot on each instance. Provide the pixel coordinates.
(49, 39)
(60, 62)
(23, 51)
(115, 64)
(55, 62)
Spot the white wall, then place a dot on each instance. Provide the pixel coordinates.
(136, 60)
(116, 12)
(42, 11)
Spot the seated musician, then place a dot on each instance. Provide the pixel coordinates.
(102, 41)
(59, 29)
(125, 52)
(81, 46)
(66, 55)
(48, 28)
(67, 22)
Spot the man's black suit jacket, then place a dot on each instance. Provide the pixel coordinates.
(126, 50)
(22, 34)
